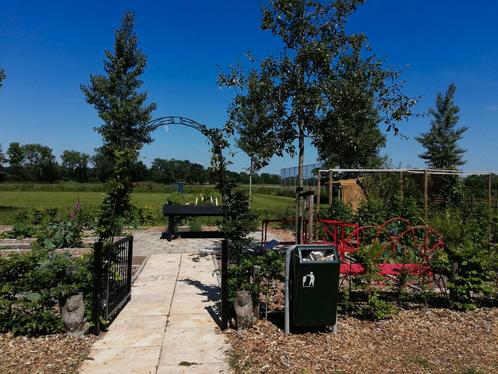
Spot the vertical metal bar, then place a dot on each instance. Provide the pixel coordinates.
(224, 284)
(107, 275)
(330, 187)
(97, 287)
(130, 260)
(318, 190)
(426, 199)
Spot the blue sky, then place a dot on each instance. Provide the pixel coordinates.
(49, 48)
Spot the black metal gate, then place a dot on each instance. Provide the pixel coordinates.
(112, 279)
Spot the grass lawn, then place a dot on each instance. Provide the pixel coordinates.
(11, 202)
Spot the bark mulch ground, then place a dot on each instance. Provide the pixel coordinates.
(414, 341)
(54, 354)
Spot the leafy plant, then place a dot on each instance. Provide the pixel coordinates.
(33, 286)
(376, 309)
(60, 235)
(470, 260)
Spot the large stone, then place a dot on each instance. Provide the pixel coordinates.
(244, 310)
(73, 315)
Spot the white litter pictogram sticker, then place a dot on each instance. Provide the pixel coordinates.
(309, 280)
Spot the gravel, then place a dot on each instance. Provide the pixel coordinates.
(54, 354)
(414, 341)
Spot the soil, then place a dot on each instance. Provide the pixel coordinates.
(414, 341)
(54, 354)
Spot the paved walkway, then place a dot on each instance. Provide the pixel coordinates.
(169, 324)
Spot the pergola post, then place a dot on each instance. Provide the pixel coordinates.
(318, 190)
(426, 198)
(330, 187)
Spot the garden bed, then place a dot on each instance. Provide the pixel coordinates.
(414, 341)
(58, 353)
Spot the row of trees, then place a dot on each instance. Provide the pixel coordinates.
(37, 163)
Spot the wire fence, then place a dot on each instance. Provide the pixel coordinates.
(429, 189)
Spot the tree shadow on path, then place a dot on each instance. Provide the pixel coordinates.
(213, 294)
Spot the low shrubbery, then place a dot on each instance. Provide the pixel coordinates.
(34, 286)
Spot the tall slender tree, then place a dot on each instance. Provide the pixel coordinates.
(442, 150)
(125, 115)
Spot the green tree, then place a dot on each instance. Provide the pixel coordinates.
(75, 165)
(123, 109)
(351, 137)
(287, 98)
(441, 141)
(15, 154)
(38, 163)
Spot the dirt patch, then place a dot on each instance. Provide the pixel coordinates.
(436, 341)
(5, 228)
(59, 353)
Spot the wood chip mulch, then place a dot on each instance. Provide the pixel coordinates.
(414, 341)
(54, 354)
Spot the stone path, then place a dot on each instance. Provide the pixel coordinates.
(169, 324)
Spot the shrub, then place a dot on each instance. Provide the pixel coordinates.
(340, 211)
(33, 286)
(470, 261)
(376, 309)
(60, 235)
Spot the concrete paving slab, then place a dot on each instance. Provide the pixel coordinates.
(201, 320)
(126, 360)
(134, 332)
(200, 345)
(193, 369)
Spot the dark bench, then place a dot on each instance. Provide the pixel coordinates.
(177, 211)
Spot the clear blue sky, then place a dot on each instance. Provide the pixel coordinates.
(48, 48)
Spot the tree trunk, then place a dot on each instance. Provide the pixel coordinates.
(300, 186)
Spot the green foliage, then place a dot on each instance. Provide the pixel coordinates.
(441, 141)
(33, 285)
(340, 211)
(242, 276)
(470, 261)
(371, 212)
(32, 162)
(60, 235)
(291, 96)
(75, 165)
(376, 309)
(126, 119)
(238, 221)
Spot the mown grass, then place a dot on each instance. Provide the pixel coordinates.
(13, 202)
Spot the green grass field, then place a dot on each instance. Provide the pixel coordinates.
(12, 202)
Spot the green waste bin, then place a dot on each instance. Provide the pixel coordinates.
(313, 285)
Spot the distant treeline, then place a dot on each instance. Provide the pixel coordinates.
(37, 163)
